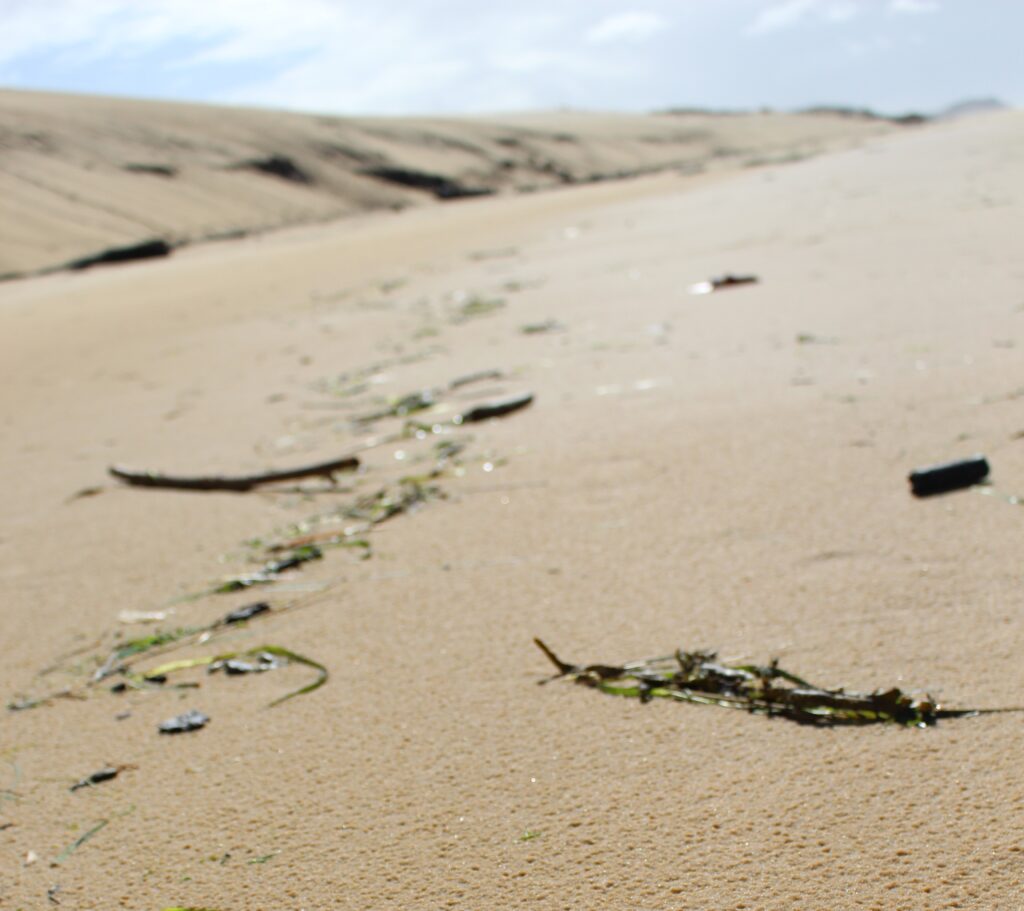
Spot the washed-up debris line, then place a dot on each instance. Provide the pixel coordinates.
(124, 659)
(305, 542)
(947, 476)
(238, 483)
(721, 282)
(759, 689)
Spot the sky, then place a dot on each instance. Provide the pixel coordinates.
(471, 56)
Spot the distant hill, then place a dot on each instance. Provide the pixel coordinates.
(972, 106)
(87, 179)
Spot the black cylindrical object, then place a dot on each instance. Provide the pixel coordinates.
(948, 476)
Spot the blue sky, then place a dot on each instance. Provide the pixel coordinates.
(459, 56)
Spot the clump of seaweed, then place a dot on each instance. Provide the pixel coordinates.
(759, 689)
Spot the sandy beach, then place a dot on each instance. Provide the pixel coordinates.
(724, 471)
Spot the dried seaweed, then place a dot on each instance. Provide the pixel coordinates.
(761, 690)
(139, 646)
(548, 325)
(475, 306)
(77, 843)
(264, 655)
(389, 502)
(262, 859)
(21, 705)
(270, 571)
(402, 406)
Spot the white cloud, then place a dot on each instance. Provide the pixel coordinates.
(346, 55)
(792, 13)
(913, 6)
(630, 26)
(781, 15)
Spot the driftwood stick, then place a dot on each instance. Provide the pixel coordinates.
(239, 483)
(495, 409)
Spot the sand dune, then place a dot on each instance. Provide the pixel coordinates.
(80, 174)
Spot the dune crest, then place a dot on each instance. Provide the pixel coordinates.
(83, 175)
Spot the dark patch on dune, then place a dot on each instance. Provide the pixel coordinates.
(157, 170)
(276, 166)
(348, 153)
(148, 249)
(441, 187)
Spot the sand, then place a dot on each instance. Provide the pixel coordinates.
(726, 471)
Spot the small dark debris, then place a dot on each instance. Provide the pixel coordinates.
(477, 377)
(947, 476)
(302, 555)
(5, 826)
(549, 325)
(156, 678)
(192, 720)
(148, 249)
(246, 613)
(235, 666)
(105, 774)
(158, 170)
(51, 894)
(497, 408)
(85, 492)
(408, 404)
(720, 282)
(121, 687)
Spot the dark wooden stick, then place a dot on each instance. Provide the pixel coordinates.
(239, 483)
(496, 409)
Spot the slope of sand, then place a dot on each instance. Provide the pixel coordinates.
(80, 174)
(724, 471)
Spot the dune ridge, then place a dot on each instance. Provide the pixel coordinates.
(81, 175)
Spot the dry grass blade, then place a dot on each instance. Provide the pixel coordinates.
(78, 842)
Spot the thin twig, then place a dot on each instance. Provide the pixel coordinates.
(238, 483)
